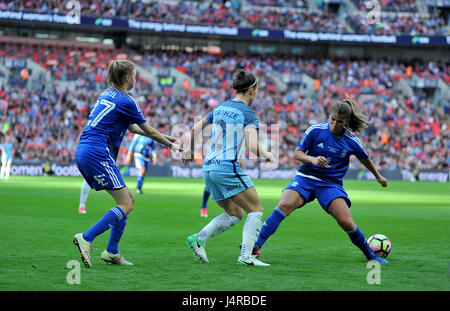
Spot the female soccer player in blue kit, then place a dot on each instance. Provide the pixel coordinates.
(140, 147)
(204, 209)
(114, 112)
(233, 121)
(114, 141)
(325, 150)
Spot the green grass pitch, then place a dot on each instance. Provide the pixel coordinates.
(309, 252)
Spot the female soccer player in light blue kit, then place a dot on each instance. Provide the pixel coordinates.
(7, 157)
(140, 146)
(233, 121)
(325, 150)
(114, 112)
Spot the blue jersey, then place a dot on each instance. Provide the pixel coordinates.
(230, 120)
(141, 146)
(114, 142)
(318, 141)
(111, 116)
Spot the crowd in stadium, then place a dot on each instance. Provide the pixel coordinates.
(407, 132)
(390, 5)
(398, 25)
(272, 14)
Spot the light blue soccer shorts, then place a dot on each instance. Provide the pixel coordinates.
(224, 184)
(324, 191)
(6, 157)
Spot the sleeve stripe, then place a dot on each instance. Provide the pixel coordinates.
(318, 126)
(355, 139)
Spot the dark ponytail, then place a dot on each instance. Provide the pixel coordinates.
(243, 81)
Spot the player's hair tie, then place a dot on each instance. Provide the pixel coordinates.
(246, 88)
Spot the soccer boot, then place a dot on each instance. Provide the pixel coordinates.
(82, 209)
(84, 247)
(251, 261)
(379, 259)
(198, 248)
(116, 259)
(256, 250)
(204, 212)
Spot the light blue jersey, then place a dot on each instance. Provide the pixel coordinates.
(222, 174)
(7, 152)
(319, 141)
(230, 120)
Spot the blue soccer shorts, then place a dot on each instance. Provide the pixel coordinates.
(140, 162)
(324, 191)
(100, 174)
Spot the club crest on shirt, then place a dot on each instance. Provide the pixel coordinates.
(333, 150)
(302, 140)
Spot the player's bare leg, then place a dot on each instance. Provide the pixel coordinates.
(339, 209)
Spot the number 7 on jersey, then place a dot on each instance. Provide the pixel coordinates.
(102, 113)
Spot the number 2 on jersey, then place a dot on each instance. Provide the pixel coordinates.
(107, 109)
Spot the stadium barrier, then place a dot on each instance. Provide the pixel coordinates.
(180, 171)
(156, 27)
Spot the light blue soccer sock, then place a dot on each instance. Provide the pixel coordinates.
(358, 238)
(115, 235)
(111, 218)
(140, 181)
(270, 226)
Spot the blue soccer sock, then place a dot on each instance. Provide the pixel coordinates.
(111, 218)
(140, 181)
(358, 238)
(115, 235)
(270, 226)
(205, 198)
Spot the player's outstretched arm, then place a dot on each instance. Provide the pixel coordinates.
(371, 167)
(251, 140)
(135, 129)
(196, 130)
(158, 137)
